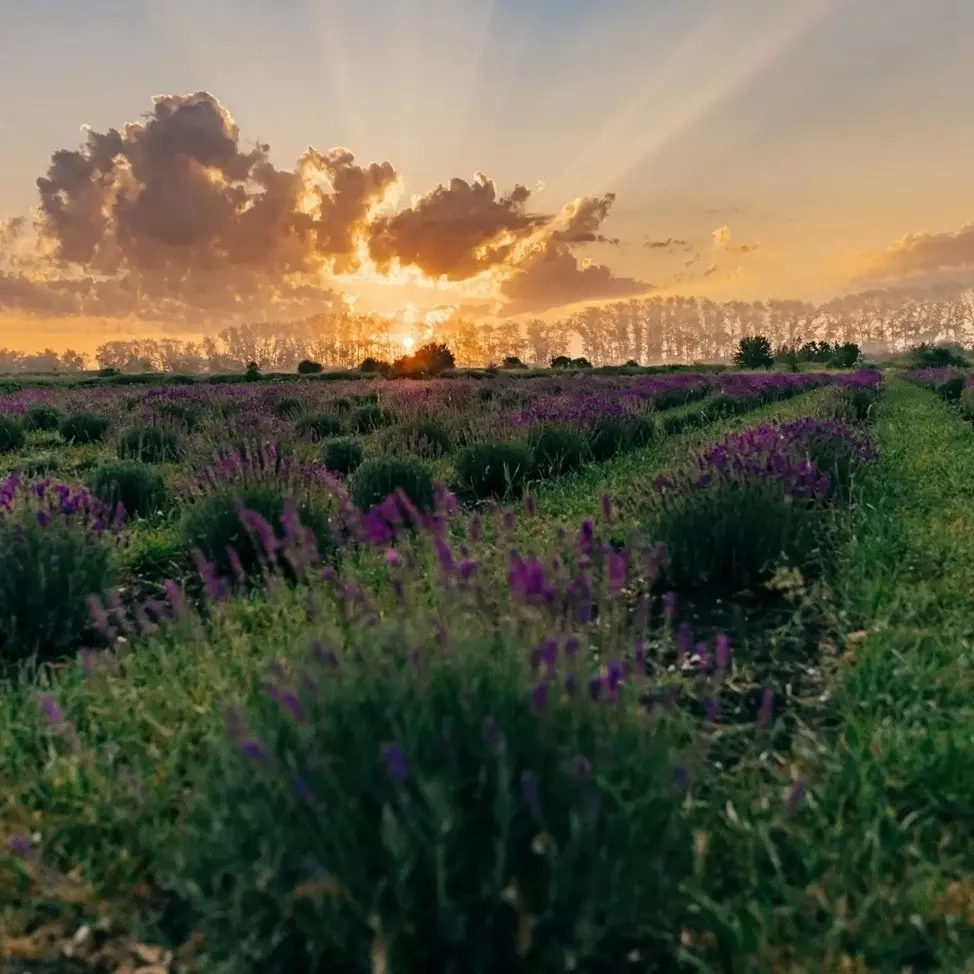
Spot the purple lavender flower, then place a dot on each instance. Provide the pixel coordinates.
(539, 697)
(595, 688)
(581, 768)
(766, 711)
(395, 761)
(529, 790)
(723, 652)
(795, 795)
(491, 732)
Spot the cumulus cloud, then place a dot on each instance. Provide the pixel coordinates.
(710, 269)
(174, 217)
(922, 254)
(722, 241)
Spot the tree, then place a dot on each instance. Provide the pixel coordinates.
(561, 362)
(754, 352)
(846, 355)
(513, 362)
(307, 367)
(432, 359)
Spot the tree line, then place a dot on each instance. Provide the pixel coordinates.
(647, 331)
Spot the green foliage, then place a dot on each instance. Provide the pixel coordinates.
(609, 435)
(136, 486)
(343, 455)
(951, 389)
(307, 367)
(846, 355)
(288, 407)
(558, 450)
(451, 858)
(374, 366)
(252, 374)
(432, 359)
(81, 428)
(370, 417)
(426, 438)
(493, 469)
(42, 417)
(379, 477)
(927, 356)
(318, 426)
(341, 404)
(180, 414)
(150, 444)
(212, 524)
(40, 465)
(47, 574)
(513, 362)
(966, 403)
(641, 430)
(11, 435)
(561, 362)
(754, 352)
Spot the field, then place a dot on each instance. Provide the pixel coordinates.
(497, 673)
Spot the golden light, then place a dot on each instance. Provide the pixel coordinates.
(408, 343)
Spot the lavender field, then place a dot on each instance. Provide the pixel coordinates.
(549, 673)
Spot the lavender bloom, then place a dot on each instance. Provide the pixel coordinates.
(595, 688)
(491, 732)
(684, 640)
(570, 682)
(669, 607)
(254, 751)
(766, 711)
(395, 761)
(539, 697)
(723, 652)
(581, 768)
(529, 790)
(795, 795)
(571, 647)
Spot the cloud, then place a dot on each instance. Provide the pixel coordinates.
(921, 254)
(711, 269)
(691, 261)
(553, 275)
(455, 231)
(721, 237)
(744, 248)
(668, 243)
(173, 217)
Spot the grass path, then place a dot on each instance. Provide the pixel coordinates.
(886, 836)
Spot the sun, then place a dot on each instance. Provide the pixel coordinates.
(409, 343)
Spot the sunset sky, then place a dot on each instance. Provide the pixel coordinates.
(728, 148)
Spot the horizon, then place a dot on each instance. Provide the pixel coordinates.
(776, 151)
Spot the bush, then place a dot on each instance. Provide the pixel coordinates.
(609, 436)
(561, 362)
(754, 352)
(107, 372)
(642, 431)
(54, 555)
(558, 450)
(178, 413)
(213, 525)
(427, 438)
(451, 751)
(81, 428)
(951, 389)
(927, 356)
(375, 366)
(966, 403)
(150, 444)
(846, 356)
(344, 455)
(42, 417)
(341, 404)
(369, 418)
(580, 363)
(513, 362)
(432, 359)
(136, 486)
(318, 426)
(11, 435)
(288, 407)
(252, 373)
(493, 469)
(376, 479)
(307, 367)
(724, 405)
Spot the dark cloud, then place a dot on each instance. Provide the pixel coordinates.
(583, 218)
(711, 269)
(553, 275)
(666, 244)
(743, 248)
(691, 261)
(173, 217)
(455, 231)
(928, 255)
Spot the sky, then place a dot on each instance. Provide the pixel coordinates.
(506, 157)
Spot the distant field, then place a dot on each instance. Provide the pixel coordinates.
(597, 672)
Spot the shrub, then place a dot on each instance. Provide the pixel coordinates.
(178, 413)
(376, 479)
(136, 486)
(724, 404)
(341, 404)
(489, 469)
(580, 363)
(42, 417)
(561, 362)
(642, 430)
(432, 359)
(214, 526)
(950, 389)
(609, 435)
(927, 356)
(288, 407)
(513, 362)
(369, 418)
(754, 352)
(558, 450)
(845, 356)
(375, 366)
(427, 438)
(344, 455)
(307, 367)
(107, 372)
(966, 403)
(453, 745)
(318, 426)
(150, 444)
(11, 435)
(84, 428)
(252, 374)
(54, 555)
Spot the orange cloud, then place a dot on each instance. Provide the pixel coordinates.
(170, 218)
(921, 254)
